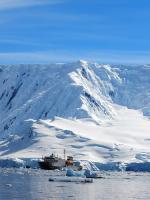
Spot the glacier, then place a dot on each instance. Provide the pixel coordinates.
(97, 112)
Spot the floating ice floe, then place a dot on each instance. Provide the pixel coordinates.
(71, 179)
(83, 173)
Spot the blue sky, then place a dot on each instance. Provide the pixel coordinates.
(43, 31)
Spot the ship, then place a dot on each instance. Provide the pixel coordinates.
(53, 162)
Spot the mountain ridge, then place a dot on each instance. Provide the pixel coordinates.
(112, 98)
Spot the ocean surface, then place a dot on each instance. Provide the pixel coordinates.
(32, 184)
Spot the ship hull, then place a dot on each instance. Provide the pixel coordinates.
(51, 166)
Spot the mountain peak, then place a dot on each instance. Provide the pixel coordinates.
(82, 62)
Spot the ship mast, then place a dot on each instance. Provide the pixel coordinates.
(64, 153)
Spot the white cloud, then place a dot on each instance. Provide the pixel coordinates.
(66, 56)
(34, 57)
(10, 4)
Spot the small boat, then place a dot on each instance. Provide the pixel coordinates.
(71, 179)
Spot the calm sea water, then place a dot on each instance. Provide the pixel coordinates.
(34, 185)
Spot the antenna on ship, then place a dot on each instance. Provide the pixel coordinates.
(64, 153)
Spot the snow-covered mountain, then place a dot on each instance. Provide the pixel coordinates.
(98, 112)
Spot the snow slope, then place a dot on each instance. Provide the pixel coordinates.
(93, 111)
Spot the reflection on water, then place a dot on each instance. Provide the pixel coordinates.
(34, 185)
